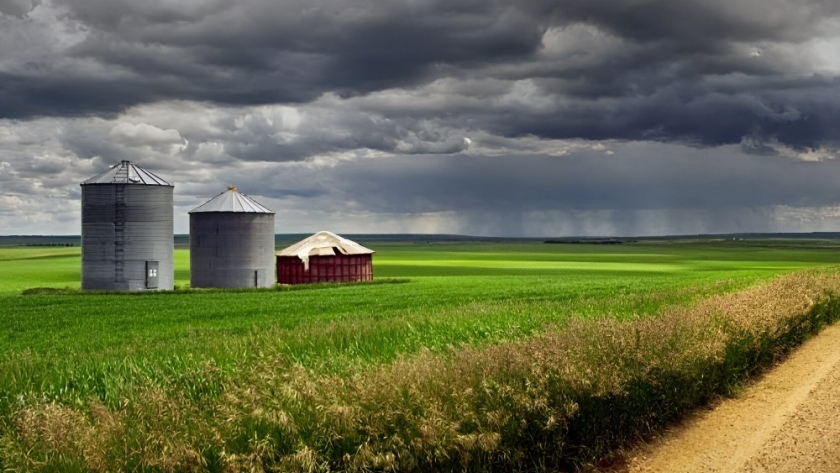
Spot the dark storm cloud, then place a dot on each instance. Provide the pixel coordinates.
(369, 44)
(638, 177)
(804, 114)
(261, 52)
(705, 72)
(17, 8)
(699, 24)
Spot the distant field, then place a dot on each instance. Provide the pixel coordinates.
(74, 349)
(458, 293)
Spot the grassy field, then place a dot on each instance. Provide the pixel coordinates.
(72, 359)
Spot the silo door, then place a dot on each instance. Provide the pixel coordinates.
(152, 274)
(260, 278)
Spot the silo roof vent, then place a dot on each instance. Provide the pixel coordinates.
(127, 173)
(231, 201)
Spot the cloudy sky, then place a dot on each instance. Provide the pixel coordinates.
(483, 117)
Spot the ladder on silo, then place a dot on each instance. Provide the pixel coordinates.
(119, 233)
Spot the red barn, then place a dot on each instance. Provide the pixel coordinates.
(324, 257)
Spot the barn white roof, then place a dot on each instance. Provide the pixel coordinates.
(231, 201)
(127, 173)
(324, 244)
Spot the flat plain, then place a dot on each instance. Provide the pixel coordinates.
(78, 355)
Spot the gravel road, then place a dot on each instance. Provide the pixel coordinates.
(788, 421)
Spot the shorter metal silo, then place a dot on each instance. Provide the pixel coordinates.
(231, 242)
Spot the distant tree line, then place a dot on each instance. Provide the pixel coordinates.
(50, 244)
(608, 241)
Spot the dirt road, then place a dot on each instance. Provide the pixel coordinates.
(788, 421)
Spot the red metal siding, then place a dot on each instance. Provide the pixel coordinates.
(339, 268)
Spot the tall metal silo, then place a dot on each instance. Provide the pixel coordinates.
(127, 230)
(231, 242)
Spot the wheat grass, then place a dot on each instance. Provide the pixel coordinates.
(560, 400)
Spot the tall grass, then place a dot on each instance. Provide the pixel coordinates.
(560, 400)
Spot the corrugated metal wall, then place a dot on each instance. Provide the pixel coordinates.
(338, 268)
(231, 249)
(124, 226)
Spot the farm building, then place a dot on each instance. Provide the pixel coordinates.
(127, 230)
(324, 257)
(231, 242)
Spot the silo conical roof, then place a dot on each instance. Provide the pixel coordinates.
(127, 173)
(231, 201)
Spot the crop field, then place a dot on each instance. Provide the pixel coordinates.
(476, 356)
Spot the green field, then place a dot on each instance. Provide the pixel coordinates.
(456, 293)
(74, 348)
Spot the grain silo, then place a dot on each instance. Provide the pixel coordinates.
(127, 230)
(231, 242)
(324, 257)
